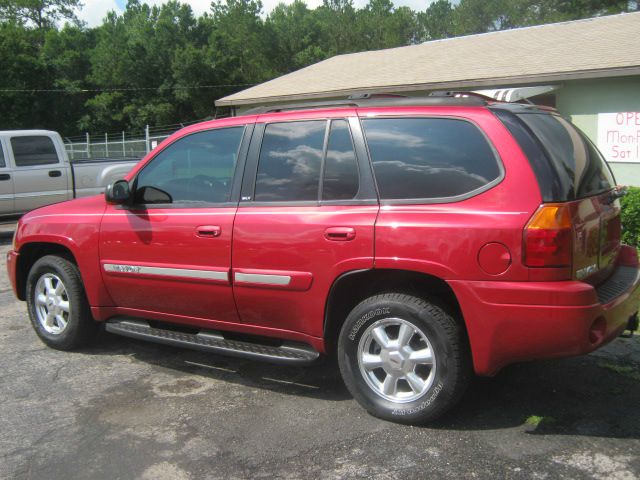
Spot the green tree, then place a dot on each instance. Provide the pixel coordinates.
(238, 42)
(132, 62)
(161, 64)
(437, 21)
(40, 13)
(383, 26)
(293, 33)
(338, 27)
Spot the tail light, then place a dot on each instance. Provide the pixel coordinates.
(547, 237)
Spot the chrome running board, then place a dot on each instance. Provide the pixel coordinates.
(214, 341)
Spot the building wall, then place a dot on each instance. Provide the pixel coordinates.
(582, 100)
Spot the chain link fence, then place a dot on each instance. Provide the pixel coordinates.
(129, 145)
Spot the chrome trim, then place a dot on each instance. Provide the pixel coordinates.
(167, 272)
(263, 279)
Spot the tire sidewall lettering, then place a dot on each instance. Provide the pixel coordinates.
(422, 405)
(365, 318)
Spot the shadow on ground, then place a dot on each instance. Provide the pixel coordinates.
(595, 395)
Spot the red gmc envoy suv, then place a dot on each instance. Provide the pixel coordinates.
(418, 240)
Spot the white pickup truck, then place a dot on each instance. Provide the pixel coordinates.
(35, 171)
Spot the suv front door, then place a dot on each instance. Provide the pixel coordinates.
(168, 255)
(306, 216)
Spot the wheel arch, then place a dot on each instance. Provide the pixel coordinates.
(352, 287)
(30, 253)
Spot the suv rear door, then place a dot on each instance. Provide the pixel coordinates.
(306, 215)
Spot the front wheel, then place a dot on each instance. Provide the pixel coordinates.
(403, 359)
(57, 304)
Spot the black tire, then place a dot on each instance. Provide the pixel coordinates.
(80, 325)
(445, 337)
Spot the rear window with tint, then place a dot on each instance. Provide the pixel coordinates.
(574, 158)
(429, 158)
(30, 151)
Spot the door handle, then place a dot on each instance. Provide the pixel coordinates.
(340, 234)
(55, 173)
(208, 231)
(5, 176)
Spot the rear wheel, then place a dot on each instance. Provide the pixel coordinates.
(403, 359)
(57, 304)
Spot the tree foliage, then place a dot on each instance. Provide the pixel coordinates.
(163, 64)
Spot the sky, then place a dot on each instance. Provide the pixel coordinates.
(95, 10)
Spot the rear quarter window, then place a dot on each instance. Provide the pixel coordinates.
(429, 158)
(578, 164)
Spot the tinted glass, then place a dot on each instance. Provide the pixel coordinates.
(428, 157)
(340, 168)
(575, 160)
(29, 151)
(290, 159)
(2, 164)
(197, 168)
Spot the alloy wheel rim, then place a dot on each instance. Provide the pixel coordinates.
(397, 360)
(52, 304)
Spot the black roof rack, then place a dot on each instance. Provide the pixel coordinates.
(444, 98)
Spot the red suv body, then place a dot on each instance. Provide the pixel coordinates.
(499, 224)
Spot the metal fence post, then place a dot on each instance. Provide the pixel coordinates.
(88, 146)
(146, 137)
(124, 151)
(106, 144)
(68, 145)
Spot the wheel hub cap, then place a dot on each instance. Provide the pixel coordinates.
(396, 360)
(51, 304)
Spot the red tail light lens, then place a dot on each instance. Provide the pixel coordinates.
(547, 237)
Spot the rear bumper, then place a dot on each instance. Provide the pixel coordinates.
(12, 263)
(515, 321)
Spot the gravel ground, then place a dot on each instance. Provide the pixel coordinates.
(128, 409)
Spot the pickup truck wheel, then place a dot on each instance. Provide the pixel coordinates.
(403, 359)
(57, 304)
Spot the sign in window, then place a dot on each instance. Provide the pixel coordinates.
(619, 136)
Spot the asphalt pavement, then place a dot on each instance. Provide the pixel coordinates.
(125, 409)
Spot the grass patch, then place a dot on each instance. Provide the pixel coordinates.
(536, 420)
(624, 370)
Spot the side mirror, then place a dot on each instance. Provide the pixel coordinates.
(118, 193)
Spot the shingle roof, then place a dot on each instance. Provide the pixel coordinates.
(597, 47)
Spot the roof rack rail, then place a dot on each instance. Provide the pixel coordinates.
(444, 98)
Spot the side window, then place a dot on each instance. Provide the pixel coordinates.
(198, 168)
(33, 150)
(428, 157)
(289, 162)
(2, 162)
(340, 181)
